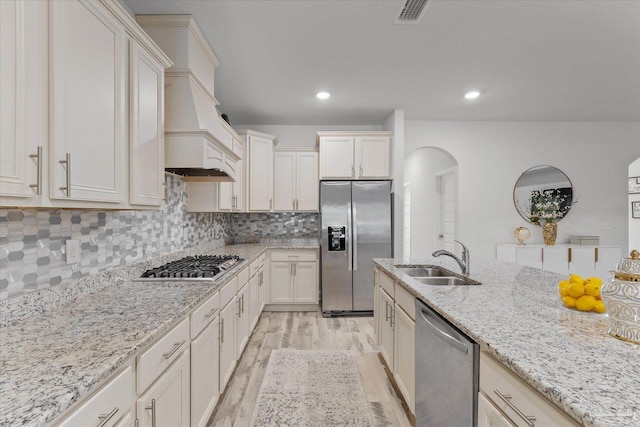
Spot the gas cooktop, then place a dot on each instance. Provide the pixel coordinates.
(196, 268)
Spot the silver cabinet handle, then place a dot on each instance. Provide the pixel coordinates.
(359, 176)
(176, 346)
(105, 418)
(386, 311)
(239, 309)
(211, 313)
(270, 204)
(353, 170)
(392, 313)
(221, 331)
(137, 424)
(67, 163)
(38, 156)
(506, 398)
(242, 304)
(293, 203)
(261, 278)
(153, 412)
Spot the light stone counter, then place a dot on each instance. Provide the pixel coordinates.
(51, 358)
(515, 316)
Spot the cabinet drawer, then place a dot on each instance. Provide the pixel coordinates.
(228, 291)
(293, 255)
(254, 267)
(496, 379)
(243, 276)
(115, 398)
(387, 283)
(405, 300)
(204, 314)
(155, 360)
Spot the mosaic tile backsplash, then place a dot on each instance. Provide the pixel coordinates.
(260, 227)
(32, 251)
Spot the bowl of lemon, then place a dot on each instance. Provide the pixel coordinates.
(582, 294)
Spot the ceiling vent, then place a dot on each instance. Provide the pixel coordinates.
(411, 12)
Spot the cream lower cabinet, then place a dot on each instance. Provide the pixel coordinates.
(294, 277)
(166, 402)
(519, 404)
(489, 415)
(394, 318)
(242, 319)
(227, 343)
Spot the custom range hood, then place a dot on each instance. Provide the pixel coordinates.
(198, 143)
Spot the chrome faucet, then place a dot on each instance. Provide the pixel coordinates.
(463, 263)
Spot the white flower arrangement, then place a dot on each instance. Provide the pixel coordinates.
(546, 205)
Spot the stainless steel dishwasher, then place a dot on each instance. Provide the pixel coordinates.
(446, 372)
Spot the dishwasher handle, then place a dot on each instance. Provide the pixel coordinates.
(462, 346)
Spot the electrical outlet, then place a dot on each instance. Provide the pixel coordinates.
(72, 250)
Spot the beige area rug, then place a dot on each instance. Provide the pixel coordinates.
(309, 388)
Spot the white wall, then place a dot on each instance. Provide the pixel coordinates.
(421, 167)
(634, 223)
(292, 136)
(395, 124)
(492, 155)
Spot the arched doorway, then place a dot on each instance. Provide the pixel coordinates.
(431, 200)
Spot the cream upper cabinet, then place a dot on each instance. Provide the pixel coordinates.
(355, 155)
(88, 104)
(259, 170)
(91, 82)
(296, 181)
(336, 157)
(23, 99)
(373, 157)
(146, 128)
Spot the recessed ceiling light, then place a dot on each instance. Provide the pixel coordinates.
(472, 95)
(323, 95)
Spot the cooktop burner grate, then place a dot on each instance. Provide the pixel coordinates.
(199, 266)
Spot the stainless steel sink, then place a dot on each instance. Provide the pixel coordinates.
(446, 281)
(423, 271)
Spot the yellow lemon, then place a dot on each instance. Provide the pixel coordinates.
(594, 280)
(563, 287)
(599, 307)
(585, 303)
(592, 289)
(576, 290)
(569, 301)
(576, 278)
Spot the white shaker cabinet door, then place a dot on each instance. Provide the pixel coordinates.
(281, 282)
(88, 105)
(146, 128)
(205, 358)
(373, 157)
(336, 157)
(227, 343)
(307, 180)
(166, 403)
(404, 357)
(489, 415)
(556, 259)
(386, 304)
(305, 282)
(284, 181)
(24, 109)
(260, 174)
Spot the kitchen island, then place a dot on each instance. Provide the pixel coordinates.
(54, 353)
(516, 317)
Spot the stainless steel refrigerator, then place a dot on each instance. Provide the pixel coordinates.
(356, 226)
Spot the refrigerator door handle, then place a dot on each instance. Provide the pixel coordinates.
(349, 237)
(355, 237)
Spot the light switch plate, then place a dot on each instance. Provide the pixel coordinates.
(72, 251)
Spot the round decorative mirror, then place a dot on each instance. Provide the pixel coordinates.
(543, 194)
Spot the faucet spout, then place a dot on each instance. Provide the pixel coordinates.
(462, 262)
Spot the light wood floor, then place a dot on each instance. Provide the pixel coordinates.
(308, 331)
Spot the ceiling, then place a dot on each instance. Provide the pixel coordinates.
(553, 60)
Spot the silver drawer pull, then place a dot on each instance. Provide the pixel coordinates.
(506, 398)
(153, 412)
(211, 313)
(105, 418)
(175, 348)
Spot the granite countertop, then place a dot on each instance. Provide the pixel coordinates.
(53, 358)
(516, 316)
